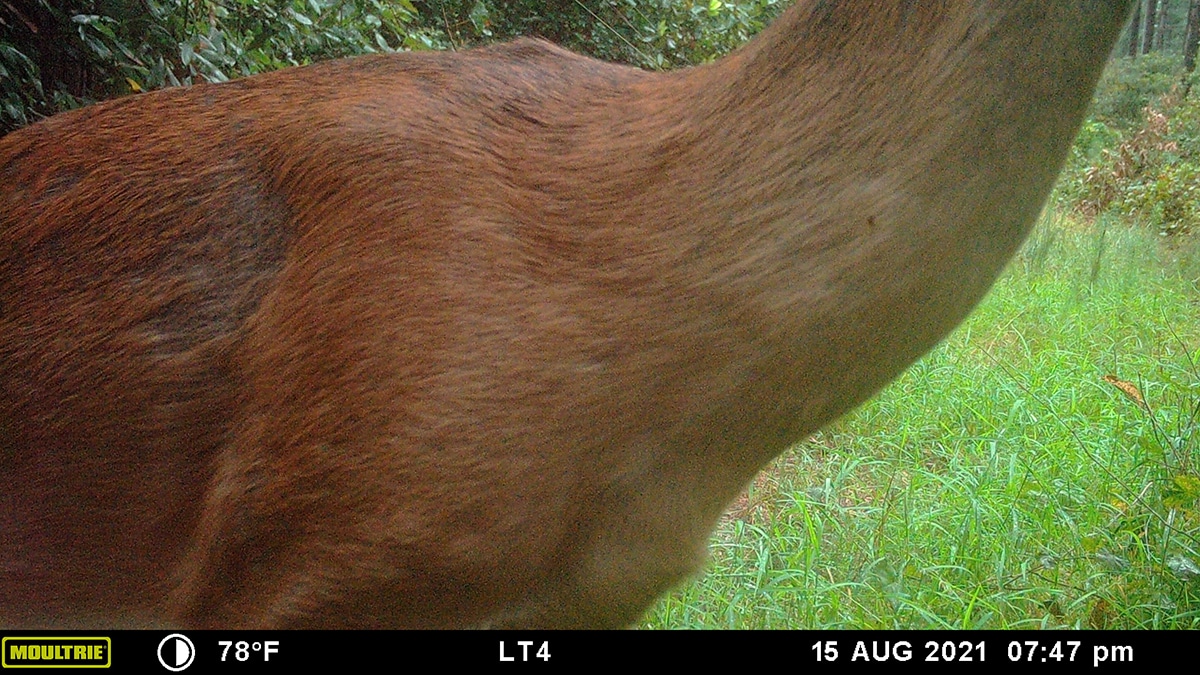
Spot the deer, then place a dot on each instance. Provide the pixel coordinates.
(490, 338)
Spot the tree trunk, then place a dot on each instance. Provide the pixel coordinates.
(1135, 29)
(1151, 15)
(1160, 30)
(1191, 41)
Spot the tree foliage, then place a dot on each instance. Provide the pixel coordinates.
(646, 33)
(59, 54)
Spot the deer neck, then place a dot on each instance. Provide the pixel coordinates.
(852, 182)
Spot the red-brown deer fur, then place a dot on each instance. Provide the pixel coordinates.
(490, 338)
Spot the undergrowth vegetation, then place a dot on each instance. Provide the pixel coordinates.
(1138, 154)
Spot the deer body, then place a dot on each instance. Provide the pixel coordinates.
(490, 338)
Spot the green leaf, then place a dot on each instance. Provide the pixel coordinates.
(1182, 493)
(480, 17)
(418, 41)
(1183, 567)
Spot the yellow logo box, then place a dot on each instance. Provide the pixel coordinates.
(56, 652)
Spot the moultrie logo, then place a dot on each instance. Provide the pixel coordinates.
(56, 652)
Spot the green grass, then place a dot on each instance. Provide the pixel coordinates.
(1000, 482)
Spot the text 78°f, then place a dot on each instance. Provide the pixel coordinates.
(521, 653)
